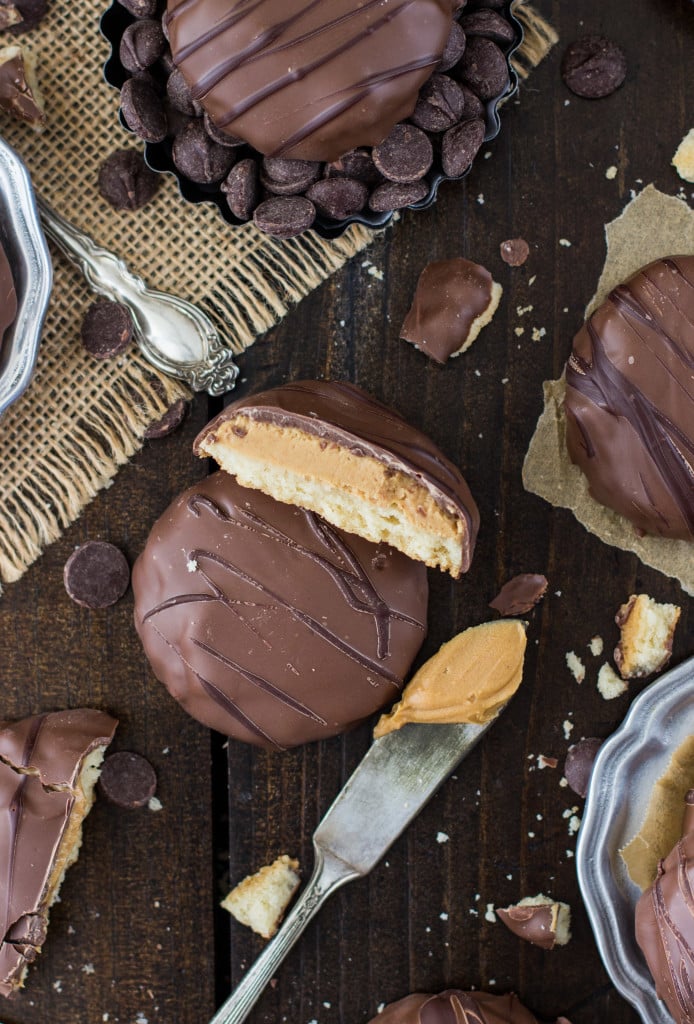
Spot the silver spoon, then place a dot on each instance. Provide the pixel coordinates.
(173, 335)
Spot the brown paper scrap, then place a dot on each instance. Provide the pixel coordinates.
(662, 825)
(651, 226)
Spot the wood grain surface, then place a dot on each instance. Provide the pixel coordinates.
(137, 936)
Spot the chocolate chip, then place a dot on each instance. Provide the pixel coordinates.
(170, 421)
(454, 48)
(96, 574)
(440, 105)
(127, 780)
(198, 157)
(579, 764)
(593, 67)
(489, 24)
(288, 177)
(179, 95)
(141, 44)
(460, 146)
(484, 68)
(338, 197)
(474, 107)
(285, 216)
(514, 251)
(140, 8)
(218, 136)
(143, 110)
(241, 188)
(405, 155)
(391, 196)
(356, 164)
(32, 12)
(107, 329)
(125, 180)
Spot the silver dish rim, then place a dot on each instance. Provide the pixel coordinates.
(659, 719)
(32, 270)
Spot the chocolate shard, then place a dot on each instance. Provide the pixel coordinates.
(363, 67)
(520, 594)
(539, 920)
(268, 624)
(456, 1007)
(19, 89)
(331, 447)
(630, 399)
(49, 765)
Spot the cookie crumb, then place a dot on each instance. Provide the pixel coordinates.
(575, 666)
(683, 160)
(609, 683)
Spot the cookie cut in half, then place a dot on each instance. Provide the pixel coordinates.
(331, 448)
(49, 765)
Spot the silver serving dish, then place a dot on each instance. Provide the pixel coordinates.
(23, 241)
(625, 771)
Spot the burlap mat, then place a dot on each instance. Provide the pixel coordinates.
(81, 419)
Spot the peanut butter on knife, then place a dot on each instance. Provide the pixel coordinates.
(467, 680)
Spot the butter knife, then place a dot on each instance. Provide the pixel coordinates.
(393, 782)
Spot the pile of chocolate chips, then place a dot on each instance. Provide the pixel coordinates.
(284, 197)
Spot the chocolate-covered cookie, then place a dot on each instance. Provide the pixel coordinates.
(268, 624)
(630, 399)
(310, 81)
(456, 1007)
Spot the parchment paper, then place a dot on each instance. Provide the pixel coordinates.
(651, 226)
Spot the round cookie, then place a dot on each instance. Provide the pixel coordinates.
(269, 625)
(456, 1007)
(630, 399)
(308, 80)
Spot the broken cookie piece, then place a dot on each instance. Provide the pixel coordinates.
(260, 900)
(467, 680)
(647, 629)
(539, 920)
(683, 160)
(19, 89)
(49, 765)
(453, 301)
(9, 15)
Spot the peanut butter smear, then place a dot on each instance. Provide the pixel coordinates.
(467, 680)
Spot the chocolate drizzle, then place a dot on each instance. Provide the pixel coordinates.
(267, 623)
(309, 79)
(630, 399)
(456, 1007)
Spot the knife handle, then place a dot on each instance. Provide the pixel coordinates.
(329, 873)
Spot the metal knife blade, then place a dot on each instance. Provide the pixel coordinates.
(398, 775)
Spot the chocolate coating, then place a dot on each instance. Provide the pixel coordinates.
(16, 94)
(665, 928)
(531, 923)
(456, 1007)
(309, 79)
(34, 817)
(269, 625)
(630, 399)
(579, 764)
(520, 594)
(343, 414)
(450, 295)
(8, 294)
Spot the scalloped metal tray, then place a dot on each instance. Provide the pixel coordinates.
(627, 766)
(25, 245)
(159, 155)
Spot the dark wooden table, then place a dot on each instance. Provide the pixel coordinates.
(137, 936)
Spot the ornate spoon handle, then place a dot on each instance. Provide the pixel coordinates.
(174, 335)
(328, 875)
